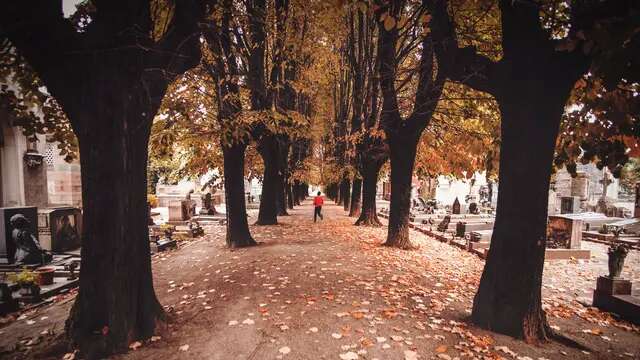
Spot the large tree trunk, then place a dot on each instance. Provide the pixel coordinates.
(267, 214)
(509, 299)
(289, 195)
(368, 214)
(297, 192)
(116, 302)
(238, 234)
(402, 153)
(356, 196)
(281, 199)
(346, 193)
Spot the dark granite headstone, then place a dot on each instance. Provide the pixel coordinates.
(60, 228)
(7, 247)
(444, 224)
(456, 206)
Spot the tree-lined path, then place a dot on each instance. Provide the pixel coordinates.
(329, 291)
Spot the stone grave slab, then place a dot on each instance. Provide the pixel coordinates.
(614, 295)
(179, 211)
(564, 232)
(480, 235)
(566, 254)
(595, 235)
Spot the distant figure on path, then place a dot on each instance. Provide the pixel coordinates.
(318, 201)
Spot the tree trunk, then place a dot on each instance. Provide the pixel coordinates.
(238, 234)
(509, 296)
(116, 303)
(281, 199)
(356, 196)
(346, 195)
(368, 214)
(289, 195)
(402, 153)
(297, 192)
(267, 214)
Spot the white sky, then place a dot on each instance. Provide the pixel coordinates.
(69, 7)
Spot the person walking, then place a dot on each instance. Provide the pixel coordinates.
(318, 201)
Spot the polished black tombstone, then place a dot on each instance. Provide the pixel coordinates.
(7, 246)
(60, 228)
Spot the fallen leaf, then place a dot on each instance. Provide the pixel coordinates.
(410, 355)
(349, 356)
(441, 349)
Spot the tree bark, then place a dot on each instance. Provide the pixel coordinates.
(356, 198)
(238, 234)
(281, 199)
(509, 296)
(368, 214)
(297, 192)
(267, 214)
(402, 153)
(289, 195)
(346, 193)
(115, 248)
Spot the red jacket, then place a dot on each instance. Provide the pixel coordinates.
(318, 201)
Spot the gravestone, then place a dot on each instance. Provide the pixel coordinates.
(444, 224)
(614, 295)
(7, 246)
(473, 208)
(179, 210)
(564, 232)
(569, 204)
(580, 185)
(455, 209)
(552, 203)
(207, 205)
(60, 229)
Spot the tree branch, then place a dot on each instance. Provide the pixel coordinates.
(458, 64)
(47, 41)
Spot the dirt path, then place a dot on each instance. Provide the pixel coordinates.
(328, 291)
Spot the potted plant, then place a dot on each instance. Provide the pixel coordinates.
(617, 253)
(28, 282)
(45, 275)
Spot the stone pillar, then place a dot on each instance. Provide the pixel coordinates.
(580, 185)
(35, 179)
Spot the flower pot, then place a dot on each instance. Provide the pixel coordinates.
(45, 275)
(616, 263)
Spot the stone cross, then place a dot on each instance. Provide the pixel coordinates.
(606, 181)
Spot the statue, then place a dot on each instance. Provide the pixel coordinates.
(28, 250)
(207, 205)
(188, 206)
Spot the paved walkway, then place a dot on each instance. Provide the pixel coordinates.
(329, 291)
